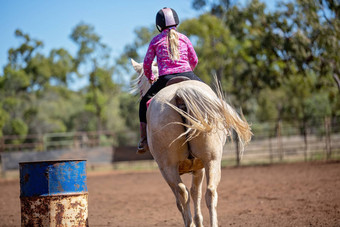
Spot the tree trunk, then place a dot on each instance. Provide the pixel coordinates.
(337, 80)
(95, 98)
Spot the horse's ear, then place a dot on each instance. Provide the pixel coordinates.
(137, 66)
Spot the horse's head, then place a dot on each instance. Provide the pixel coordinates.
(141, 83)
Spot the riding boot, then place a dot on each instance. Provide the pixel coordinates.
(143, 143)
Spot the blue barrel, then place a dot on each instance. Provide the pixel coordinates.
(54, 193)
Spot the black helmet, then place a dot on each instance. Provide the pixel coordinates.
(165, 18)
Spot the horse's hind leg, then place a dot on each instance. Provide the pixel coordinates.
(182, 195)
(196, 194)
(213, 173)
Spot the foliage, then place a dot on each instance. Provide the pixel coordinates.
(277, 65)
(35, 98)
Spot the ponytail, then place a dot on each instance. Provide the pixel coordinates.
(173, 43)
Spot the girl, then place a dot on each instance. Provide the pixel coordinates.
(175, 57)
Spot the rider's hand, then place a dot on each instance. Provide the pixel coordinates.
(151, 81)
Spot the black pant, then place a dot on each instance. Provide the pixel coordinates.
(156, 87)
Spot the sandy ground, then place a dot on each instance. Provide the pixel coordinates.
(300, 194)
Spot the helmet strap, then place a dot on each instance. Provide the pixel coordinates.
(159, 28)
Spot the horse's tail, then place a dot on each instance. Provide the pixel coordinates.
(207, 112)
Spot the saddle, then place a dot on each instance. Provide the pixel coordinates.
(174, 80)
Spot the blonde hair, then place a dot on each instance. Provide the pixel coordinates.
(173, 43)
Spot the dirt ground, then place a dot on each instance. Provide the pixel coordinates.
(300, 194)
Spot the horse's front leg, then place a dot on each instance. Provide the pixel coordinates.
(196, 194)
(182, 195)
(213, 173)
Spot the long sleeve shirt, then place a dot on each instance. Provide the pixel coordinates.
(158, 47)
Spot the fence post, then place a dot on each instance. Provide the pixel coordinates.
(237, 149)
(305, 139)
(328, 138)
(279, 140)
(270, 150)
(44, 141)
(2, 144)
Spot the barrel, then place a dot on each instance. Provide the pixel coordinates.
(54, 193)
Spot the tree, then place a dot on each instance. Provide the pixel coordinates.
(28, 79)
(136, 51)
(16, 82)
(94, 56)
(213, 43)
(284, 60)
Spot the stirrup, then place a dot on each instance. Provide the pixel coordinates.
(142, 146)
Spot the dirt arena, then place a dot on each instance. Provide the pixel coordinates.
(300, 194)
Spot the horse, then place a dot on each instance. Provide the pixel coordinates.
(190, 139)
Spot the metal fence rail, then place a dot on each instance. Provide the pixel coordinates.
(52, 141)
(287, 148)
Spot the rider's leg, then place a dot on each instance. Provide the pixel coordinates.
(143, 143)
(156, 87)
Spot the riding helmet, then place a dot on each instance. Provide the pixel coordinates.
(165, 18)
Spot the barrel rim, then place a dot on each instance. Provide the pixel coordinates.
(53, 161)
(56, 195)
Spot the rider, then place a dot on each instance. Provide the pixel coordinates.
(175, 57)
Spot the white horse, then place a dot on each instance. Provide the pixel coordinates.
(190, 140)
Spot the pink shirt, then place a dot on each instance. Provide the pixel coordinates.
(158, 47)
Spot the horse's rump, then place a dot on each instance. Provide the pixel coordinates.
(206, 112)
(206, 115)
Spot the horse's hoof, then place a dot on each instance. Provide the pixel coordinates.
(142, 146)
(143, 149)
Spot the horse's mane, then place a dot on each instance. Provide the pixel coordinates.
(141, 84)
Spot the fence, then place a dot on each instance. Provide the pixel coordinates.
(52, 141)
(286, 148)
(280, 141)
(272, 142)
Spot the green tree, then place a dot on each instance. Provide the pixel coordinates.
(213, 43)
(135, 50)
(93, 55)
(235, 46)
(17, 84)
(28, 79)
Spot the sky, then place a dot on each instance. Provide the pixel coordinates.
(52, 21)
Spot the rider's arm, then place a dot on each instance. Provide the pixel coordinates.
(147, 65)
(193, 60)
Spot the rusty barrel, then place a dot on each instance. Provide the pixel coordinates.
(54, 193)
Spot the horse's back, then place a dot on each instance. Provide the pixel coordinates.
(160, 113)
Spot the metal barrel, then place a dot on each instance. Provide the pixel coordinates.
(54, 193)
